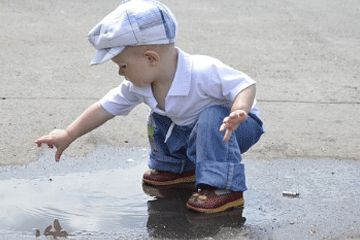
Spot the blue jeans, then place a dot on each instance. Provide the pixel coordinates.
(201, 146)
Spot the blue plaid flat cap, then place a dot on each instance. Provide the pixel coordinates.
(134, 22)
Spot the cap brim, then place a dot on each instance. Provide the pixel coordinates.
(106, 54)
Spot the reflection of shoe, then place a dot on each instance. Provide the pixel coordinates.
(160, 178)
(169, 219)
(184, 190)
(230, 218)
(215, 200)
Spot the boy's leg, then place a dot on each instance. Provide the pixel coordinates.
(249, 132)
(168, 159)
(218, 164)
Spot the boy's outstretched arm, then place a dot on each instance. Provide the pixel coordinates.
(90, 119)
(239, 111)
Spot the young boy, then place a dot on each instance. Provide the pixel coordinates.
(203, 113)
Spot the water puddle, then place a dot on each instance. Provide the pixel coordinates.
(101, 193)
(98, 196)
(101, 196)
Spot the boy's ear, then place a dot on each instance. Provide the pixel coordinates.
(152, 56)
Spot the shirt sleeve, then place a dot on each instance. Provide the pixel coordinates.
(120, 101)
(226, 82)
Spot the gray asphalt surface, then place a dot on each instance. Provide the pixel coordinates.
(305, 56)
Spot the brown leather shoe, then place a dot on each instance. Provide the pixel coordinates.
(215, 200)
(160, 178)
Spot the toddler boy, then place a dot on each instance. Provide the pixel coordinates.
(203, 112)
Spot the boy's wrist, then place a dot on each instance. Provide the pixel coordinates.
(70, 135)
(239, 110)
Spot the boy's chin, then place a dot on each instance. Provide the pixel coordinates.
(138, 85)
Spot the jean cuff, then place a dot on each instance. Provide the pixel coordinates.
(221, 175)
(161, 162)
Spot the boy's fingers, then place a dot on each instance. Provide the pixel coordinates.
(230, 123)
(228, 134)
(37, 142)
(222, 127)
(58, 155)
(226, 120)
(233, 115)
(225, 124)
(45, 139)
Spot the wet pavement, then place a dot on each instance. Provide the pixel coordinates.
(100, 196)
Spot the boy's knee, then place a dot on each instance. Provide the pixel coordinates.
(213, 115)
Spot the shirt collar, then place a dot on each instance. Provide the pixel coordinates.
(182, 79)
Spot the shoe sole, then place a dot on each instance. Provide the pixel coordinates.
(235, 204)
(173, 182)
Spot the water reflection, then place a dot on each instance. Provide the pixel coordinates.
(169, 218)
(59, 231)
(100, 196)
(97, 203)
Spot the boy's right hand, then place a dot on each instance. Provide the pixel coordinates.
(58, 138)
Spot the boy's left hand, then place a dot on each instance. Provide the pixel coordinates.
(232, 122)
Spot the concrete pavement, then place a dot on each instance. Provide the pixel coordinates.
(305, 56)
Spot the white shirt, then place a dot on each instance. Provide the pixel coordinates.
(199, 82)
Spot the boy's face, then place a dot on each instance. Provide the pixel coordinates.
(134, 66)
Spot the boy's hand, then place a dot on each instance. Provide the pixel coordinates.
(58, 138)
(232, 122)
